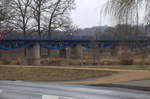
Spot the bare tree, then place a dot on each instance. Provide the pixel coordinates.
(38, 7)
(52, 15)
(58, 14)
(4, 17)
(21, 14)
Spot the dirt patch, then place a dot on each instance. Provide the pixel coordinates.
(122, 76)
(122, 67)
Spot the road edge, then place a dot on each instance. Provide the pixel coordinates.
(132, 87)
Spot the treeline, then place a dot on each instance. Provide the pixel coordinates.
(118, 31)
(36, 15)
(127, 31)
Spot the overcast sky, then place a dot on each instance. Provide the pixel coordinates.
(87, 13)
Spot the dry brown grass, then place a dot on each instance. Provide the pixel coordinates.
(105, 60)
(79, 62)
(49, 74)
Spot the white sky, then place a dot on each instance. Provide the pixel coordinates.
(87, 13)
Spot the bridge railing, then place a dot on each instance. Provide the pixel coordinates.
(68, 37)
(19, 41)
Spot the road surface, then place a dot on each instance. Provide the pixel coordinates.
(41, 90)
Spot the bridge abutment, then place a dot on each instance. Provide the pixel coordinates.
(33, 55)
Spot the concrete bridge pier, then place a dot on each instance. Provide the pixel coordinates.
(33, 55)
(77, 51)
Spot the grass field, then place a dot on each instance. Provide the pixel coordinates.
(49, 74)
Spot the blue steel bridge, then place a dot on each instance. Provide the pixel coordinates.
(19, 41)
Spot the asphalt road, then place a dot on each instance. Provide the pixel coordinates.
(34, 90)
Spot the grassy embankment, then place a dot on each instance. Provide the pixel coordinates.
(49, 74)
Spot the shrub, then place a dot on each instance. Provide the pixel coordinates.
(6, 62)
(18, 62)
(126, 61)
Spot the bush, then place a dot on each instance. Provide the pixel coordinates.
(6, 62)
(126, 61)
(18, 62)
